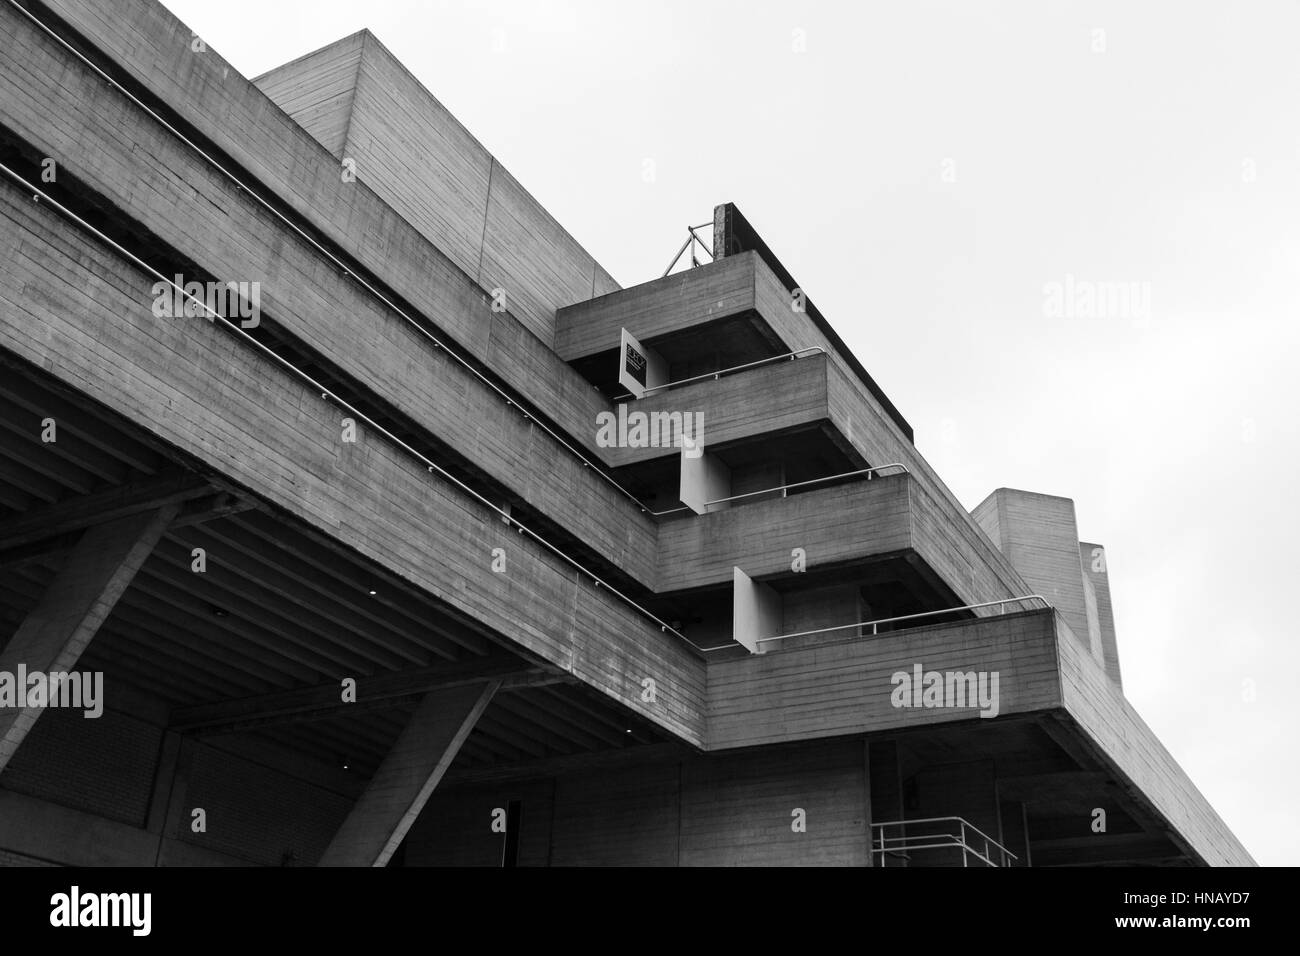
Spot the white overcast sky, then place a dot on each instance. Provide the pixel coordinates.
(925, 170)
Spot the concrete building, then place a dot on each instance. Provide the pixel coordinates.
(426, 543)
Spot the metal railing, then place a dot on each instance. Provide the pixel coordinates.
(874, 625)
(783, 488)
(968, 838)
(1001, 605)
(690, 239)
(796, 354)
(812, 481)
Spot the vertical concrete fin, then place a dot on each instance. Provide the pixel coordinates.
(756, 611)
(1040, 538)
(1096, 573)
(704, 478)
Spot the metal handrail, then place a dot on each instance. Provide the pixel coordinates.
(901, 844)
(797, 484)
(910, 617)
(798, 353)
(812, 481)
(347, 272)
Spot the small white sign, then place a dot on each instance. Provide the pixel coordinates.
(639, 368)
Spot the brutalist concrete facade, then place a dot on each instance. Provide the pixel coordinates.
(352, 514)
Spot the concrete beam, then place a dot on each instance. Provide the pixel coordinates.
(547, 767)
(223, 504)
(99, 507)
(47, 831)
(325, 700)
(412, 770)
(1130, 849)
(44, 550)
(198, 511)
(1027, 787)
(73, 607)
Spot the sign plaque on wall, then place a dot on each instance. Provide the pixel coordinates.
(639, 368)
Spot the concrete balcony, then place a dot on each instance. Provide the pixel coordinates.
(1054, 704)
(775, 397)
(842, 422)
(846, 687)
(650, 311)
(734, 310)
(857, 521)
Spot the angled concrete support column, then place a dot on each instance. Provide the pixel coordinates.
(75, 604)
(402, 784)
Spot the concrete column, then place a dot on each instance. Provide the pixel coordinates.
(76, 603)
(167, 816)
(402, 784)
(1015, 829)
(866, 800)
(886, 794)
